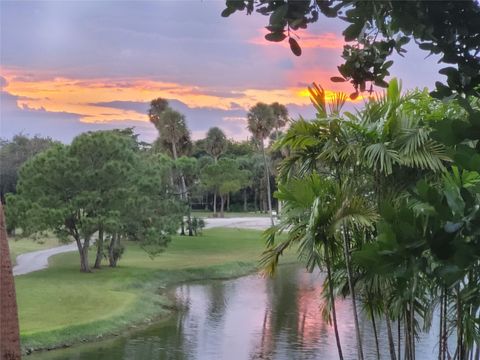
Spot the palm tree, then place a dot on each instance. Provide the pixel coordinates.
(281, 117)
(9, 333)
(216, 144)
(325, 146)
(174, 133)
(317, 211)
(261, 121)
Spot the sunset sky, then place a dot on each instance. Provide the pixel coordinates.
(68, 67)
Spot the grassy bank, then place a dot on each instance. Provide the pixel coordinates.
(60, 305)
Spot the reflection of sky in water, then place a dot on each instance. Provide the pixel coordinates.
(249, 318)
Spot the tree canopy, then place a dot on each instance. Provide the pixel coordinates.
(93, 185)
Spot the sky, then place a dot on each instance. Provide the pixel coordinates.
(67, 67)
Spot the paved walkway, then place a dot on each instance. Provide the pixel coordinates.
(38, 260)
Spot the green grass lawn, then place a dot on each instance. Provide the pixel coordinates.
(20, 245)
(60, 305)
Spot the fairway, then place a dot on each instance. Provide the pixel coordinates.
(60, 305)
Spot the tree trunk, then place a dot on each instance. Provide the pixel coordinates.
(460, 347)
(440, 333)
(245, 209)
(346, 250)
(215, 203)
(189, 218)
(391, 344)
(221, 206)
(83, 252)
(267, 179)
(9, 330)
(399, 339)
(332, 300)
(228, 202)
(113, 251)
(374, 325)
(444, 326)
(98, 259)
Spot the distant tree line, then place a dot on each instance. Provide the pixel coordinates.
(215, 172)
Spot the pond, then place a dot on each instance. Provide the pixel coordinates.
(246, 318)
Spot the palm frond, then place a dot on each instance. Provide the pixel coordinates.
(380, 157)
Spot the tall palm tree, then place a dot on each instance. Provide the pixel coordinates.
(216, 144)
(280, 112)
(325, 146)
(261, 121)
(317, 211)
(9, 333)
(174, 133)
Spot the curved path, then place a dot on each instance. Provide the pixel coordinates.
(38, 260)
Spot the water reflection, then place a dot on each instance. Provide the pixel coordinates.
(246, 318)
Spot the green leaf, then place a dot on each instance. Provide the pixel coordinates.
(227, 12)
(294, 46)
(275, 36)
(337, 79)
(353, 31)
(278, 16)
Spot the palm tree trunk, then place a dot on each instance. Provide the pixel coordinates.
(9, 330)
(399, 339)
(391, 344)
(332, 300)
(267, 178)
(182, 178)
(375, 333)
(245, 200)
(346, 250)
(440, 333)
(222, 202)
(215, 203)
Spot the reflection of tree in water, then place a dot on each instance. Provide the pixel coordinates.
(218, 301)
(291, 322)
(293, 326)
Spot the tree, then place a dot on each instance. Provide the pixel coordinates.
(281, 117)
(174, 136)
(390, 153)
(9, 330)
(215, 144)
(13, 154)
(83, 188)
(150, 214)
(317, 211)
(225, 176)
(447, 28)
(261, 121)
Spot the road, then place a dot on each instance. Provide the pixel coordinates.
(38, 260)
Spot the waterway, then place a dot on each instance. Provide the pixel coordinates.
(251, 317)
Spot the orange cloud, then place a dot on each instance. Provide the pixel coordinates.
(82, 96)
(305, 39)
